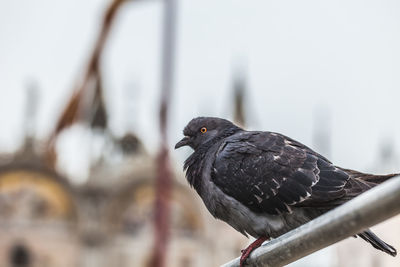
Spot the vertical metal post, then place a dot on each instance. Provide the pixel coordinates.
(167, 71)
(164, 174)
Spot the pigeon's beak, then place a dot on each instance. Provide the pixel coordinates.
(184, 142)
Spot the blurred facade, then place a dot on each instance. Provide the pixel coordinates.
(45, 220)
(108, 221)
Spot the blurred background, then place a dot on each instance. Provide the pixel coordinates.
(95, 93)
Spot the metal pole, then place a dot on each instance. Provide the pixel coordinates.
(366, 210)
(164, 173)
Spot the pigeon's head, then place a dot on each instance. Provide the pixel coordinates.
(201, 130)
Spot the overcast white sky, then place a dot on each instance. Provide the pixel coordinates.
(341, 58)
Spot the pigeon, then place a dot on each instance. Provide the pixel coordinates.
(265, 184)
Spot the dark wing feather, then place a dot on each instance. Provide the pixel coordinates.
(268, 172)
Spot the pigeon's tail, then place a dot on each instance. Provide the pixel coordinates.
(360, 182)
(378, 179)
(371, 179)
(377, 243)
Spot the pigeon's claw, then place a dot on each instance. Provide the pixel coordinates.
(246, 252)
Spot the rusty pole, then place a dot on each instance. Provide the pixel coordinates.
(164, 174)
(72, 111)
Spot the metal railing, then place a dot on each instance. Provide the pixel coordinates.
(366, 210)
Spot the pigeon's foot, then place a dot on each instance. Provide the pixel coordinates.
(246, 252)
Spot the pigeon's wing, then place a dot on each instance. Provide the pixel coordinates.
(268, 172)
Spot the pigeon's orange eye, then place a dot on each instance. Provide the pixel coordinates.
(203, 130)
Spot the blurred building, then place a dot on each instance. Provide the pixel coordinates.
(45, 220)
(108, 221)
(38, 213)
